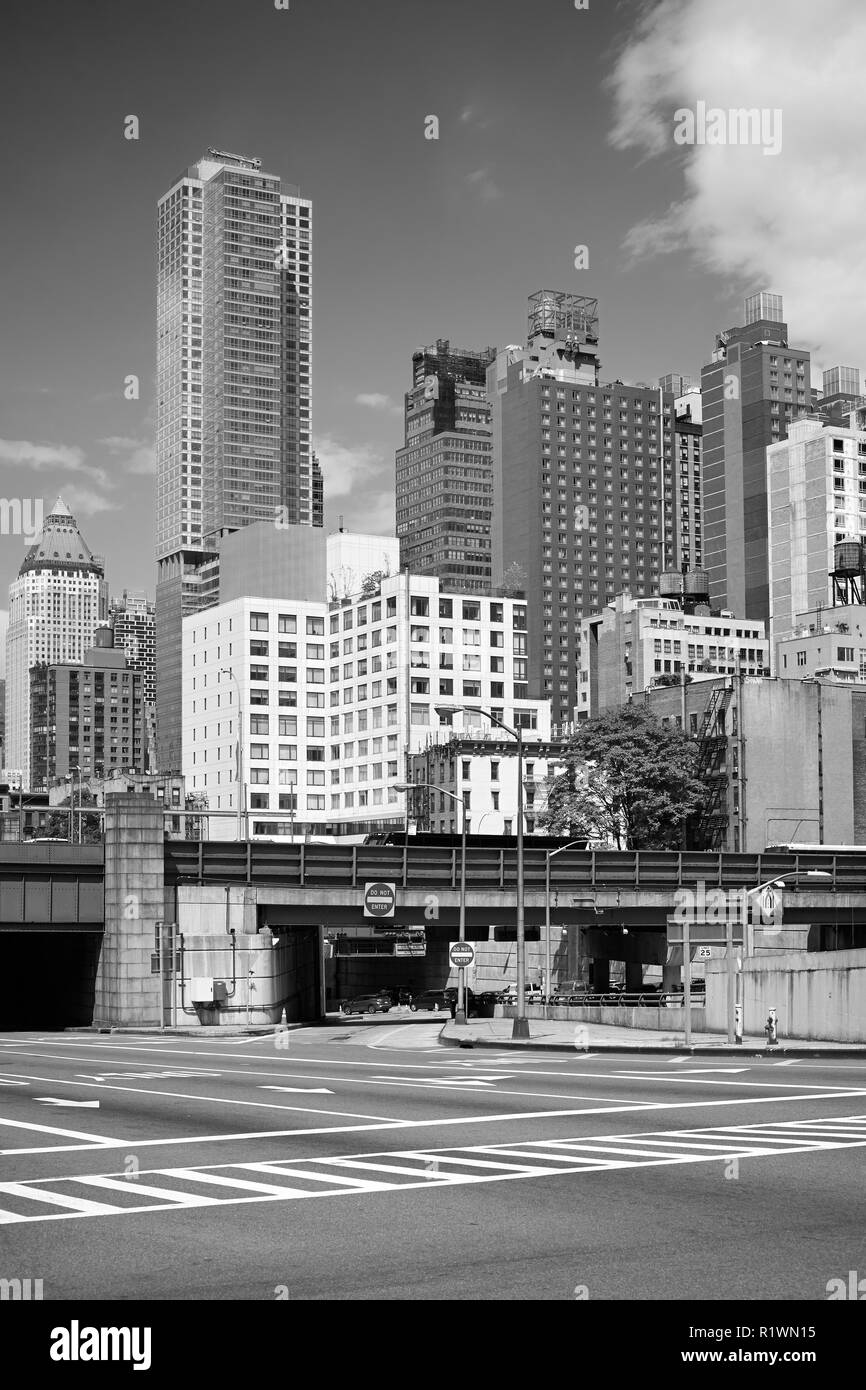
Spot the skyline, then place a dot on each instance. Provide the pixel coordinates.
(416, 239)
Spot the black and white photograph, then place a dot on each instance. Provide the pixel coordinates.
(432, 678)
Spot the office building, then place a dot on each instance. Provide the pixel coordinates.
(688, 479)
(55, 606)
(583, 485)
(444, 475)
(86, 716)
(782, 759)
(816, 482)
(754, 387)
(335, 695)
(828, 643)
(133, 620)
(234, 345)
(634, 644)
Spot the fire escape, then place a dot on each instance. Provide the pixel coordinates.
(711, 823)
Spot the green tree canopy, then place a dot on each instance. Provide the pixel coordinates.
(57, 824)
(628, 779)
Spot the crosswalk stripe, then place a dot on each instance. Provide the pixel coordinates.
(136, 1188)
(272, 1189)
(386, 1168)
(57, 1199)
(363, 1184)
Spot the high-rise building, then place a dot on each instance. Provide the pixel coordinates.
(814, 482)
(583, 485)
(444, 477)
(752, 389)
(87, 715)
(55, 606)
(688, 475)
(675, 384)
(233, 384)
(132, 617)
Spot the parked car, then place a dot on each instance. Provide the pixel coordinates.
(565, 992)
(378, 1003)
(434, 999)
(450, 993)
(397, 996)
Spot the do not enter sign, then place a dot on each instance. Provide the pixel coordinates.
(461, 953)
(379, 899)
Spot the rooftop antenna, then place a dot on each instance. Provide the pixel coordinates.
(341, 522)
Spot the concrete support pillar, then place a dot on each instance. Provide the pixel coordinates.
(127, 993)
(600, 975)
(672, 976)
(633, 977)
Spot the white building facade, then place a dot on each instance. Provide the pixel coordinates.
(816, 493)
(334, 696)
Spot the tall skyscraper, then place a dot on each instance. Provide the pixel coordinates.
(234, 349)
(133, 619)
(444, 476)
(752, 389)
(841, 395)
(688, 473)
(55, 606)
(583, 485)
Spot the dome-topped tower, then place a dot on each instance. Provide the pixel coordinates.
(61, 545)
(55, 606)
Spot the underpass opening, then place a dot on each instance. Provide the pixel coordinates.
(49, 979)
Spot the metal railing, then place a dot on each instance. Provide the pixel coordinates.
(428, 867)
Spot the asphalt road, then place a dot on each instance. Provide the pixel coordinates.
(364, 1161)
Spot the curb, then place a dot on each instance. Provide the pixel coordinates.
(264, 1031)
(724, 1050)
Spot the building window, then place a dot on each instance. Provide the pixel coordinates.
(258, 622)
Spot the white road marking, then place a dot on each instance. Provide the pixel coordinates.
(4, 1082)
(67, 1104)
(442, 1167)
(696, 1071)
(305, 1090)
(99, 1139)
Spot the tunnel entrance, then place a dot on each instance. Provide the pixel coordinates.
(49, 978)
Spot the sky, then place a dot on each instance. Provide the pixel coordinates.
(555, 130)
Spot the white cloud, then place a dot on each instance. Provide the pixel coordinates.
(792, 223)
(359, 483)
(63, 458)
(136, 455)
(482, 181)
(22, 451)
(374, 400)
(83, 501)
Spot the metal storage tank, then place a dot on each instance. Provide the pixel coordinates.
(696, 584)
(848, 557)
(670, 584)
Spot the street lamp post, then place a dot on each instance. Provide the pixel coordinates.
(460, 1012)
(551, 854)
(521, 1022)
(243, 832)
(748, 943)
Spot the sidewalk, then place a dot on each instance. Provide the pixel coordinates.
(559, 1035)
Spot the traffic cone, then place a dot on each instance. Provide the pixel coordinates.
(284, 1022)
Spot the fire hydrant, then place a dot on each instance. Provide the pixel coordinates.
(770, 1029)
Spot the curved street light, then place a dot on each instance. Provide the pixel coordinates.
(521, 1022)
(460, 1012)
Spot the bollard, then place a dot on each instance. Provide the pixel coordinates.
(738, 1023)
(770, 1028)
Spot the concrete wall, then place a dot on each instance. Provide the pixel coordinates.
(658, 1020)
(127, 994)
(262, 978)
(821, 996)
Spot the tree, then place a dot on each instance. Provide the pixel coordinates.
(628, 780)
(57, 824)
